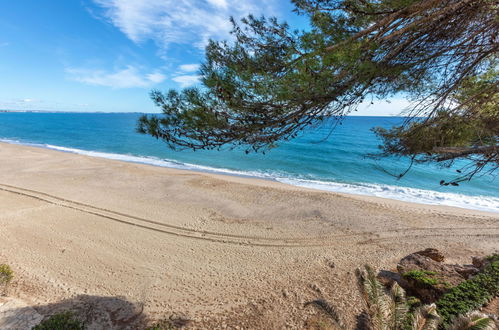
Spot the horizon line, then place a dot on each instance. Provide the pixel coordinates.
(146, 113)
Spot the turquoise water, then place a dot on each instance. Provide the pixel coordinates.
(336, 164)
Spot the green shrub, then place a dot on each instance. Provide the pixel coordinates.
(389, 309)
(421, 276)
(6, 274)
(61, 321)
(471, 294)
(473, 321)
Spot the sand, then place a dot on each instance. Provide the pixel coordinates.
(219, 250)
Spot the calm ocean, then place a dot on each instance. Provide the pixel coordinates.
(336, 164)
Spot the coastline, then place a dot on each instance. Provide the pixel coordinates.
(205, 245)
(486, 204)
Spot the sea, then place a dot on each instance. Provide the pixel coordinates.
(320, 158)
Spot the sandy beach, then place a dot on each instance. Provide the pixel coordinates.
(219, 250)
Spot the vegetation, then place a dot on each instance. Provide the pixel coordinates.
(473, 321)
(329, 310)
(61, 321)
(6, 276)
(471, 294)
(391, 309)
(421, 276)
(272, 82)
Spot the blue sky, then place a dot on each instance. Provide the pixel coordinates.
(106, 55)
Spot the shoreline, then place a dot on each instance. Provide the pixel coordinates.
(215, 248)
(324, 186)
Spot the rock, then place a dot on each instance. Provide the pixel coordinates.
(428, 279)
(478, 262)
(17, 314)
(433, 254)
(97, 312)
(466, 271)
(285, 293)
(387, 278)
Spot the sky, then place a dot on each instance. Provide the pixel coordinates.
(107, 55)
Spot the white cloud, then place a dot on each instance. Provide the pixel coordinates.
(389, 107)
(179, 21)
(186, 80)
(124, 78)
(184, 76)
(189, 67)
(218, 3)
(156, 77)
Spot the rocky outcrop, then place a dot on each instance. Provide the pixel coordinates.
(480, 262)
(427, 277)
(99, 312)
(17, 314)
(433, 254)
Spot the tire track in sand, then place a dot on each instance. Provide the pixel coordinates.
(169, 229)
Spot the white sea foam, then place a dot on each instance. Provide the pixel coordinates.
(483, 203)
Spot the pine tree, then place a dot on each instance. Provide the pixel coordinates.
(271, 82)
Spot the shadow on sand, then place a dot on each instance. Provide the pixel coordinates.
(95, 312)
